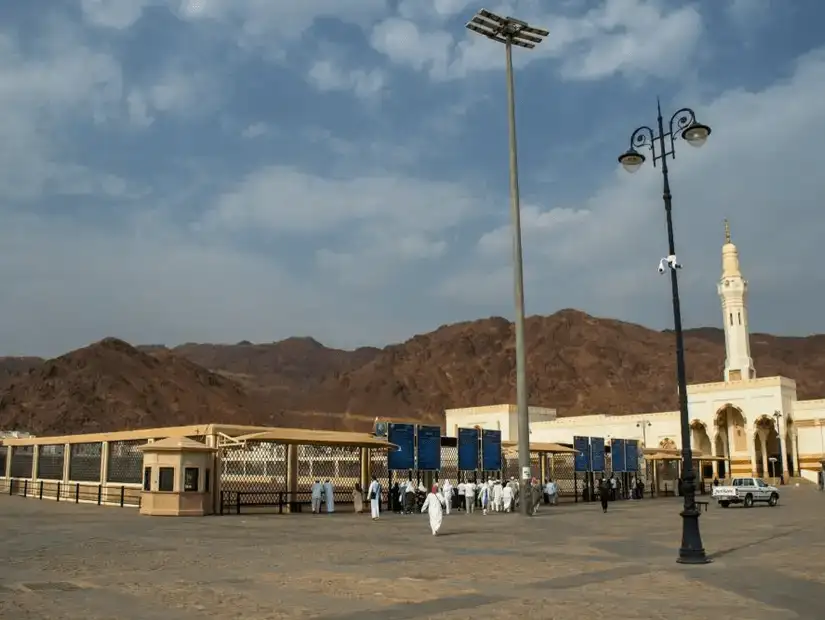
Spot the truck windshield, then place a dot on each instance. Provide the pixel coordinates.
(761, 483)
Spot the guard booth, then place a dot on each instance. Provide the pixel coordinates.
(176, 478)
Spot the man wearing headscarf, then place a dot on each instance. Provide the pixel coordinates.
(432, 505)
(447, 491)
(315, 495)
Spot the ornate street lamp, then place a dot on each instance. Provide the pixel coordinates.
(683, 124)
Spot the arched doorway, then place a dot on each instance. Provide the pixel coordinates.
(731, 436)
(767, 449)
(700, 441)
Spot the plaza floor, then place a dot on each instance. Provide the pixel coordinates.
(66, 561)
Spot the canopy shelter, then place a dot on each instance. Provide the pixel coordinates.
(304, 437)
(511, 447)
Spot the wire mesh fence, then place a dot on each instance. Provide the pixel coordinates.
(50, 462)
(85, 461)
(125, 462)
(339, 465)
(22, 460)
(253, 474)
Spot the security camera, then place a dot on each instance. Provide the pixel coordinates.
(671, 260)
(662, 266)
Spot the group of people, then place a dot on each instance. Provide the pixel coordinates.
(322, 494)
(610, 489)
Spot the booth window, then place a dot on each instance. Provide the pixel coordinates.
(147, 478)
(190, 479)
(206, 480)
(166, 479)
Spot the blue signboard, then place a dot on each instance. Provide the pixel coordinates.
(403, 436)
(467, 449)
(597, 453)
(491, 450)
(618, 464)
(429, 448)
(631, 450)
(582, 459)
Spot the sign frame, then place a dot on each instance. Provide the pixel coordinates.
(467, 439)
(617, 449)
(492, 445)
(406, 447)
(597, 455)
(428, 434)
(582, 459)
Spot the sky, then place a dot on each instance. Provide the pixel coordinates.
(223, 170)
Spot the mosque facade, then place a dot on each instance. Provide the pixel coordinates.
(752, 425)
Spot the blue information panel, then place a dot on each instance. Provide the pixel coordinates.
(403, 436)
(491, 450)
(631, 450)
(429, 448)
(582, 459)
(617, 456)
(597, 453)
(467, 449)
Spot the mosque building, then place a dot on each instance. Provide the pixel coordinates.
(738, 420)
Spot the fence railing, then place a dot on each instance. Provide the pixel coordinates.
(76, 492)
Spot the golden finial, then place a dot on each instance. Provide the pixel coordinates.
(727, 231)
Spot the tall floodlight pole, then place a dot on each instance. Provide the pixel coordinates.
(510, 32)
(682, 124)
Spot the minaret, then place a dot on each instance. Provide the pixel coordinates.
(733, 291)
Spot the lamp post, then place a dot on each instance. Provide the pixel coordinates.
(511, 31)
(682, 124)
(777, 415)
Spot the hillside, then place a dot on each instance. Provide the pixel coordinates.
(110, 385)
(576, 363)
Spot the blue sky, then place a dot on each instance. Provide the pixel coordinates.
(219, 170)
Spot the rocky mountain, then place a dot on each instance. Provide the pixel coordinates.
(576, 363)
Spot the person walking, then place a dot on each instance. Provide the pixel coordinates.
(604, 493)
(433, 504)
(374, 494)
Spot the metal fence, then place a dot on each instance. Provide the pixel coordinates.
(22, 460)
(50, 462)
(85, 461)
(4, 451)
(125, 462)
(257, 470)
(75, 492)
(340, 465)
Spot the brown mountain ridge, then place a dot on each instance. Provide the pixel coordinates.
(576, 363)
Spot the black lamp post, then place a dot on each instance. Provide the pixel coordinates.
(682, 124)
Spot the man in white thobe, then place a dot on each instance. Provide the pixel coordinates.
(497, 499)
(329, 496)
(374, 495)
(470, 496)
(507, 497)
(484, 496)
(432, 505)
(461, 488)
(447, 491)
(317, 492)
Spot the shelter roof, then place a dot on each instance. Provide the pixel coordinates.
(554, 448)
(176, 444)
(307, 437)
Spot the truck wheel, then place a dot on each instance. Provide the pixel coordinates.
(748, 500)
(724, 504)
(774, 500)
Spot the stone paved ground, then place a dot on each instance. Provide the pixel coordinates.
(65, 561)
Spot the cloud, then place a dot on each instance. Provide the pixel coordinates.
(326, 76)
(759, 168)
(629, 37)
(255, 130)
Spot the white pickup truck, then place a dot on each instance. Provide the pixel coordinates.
(746, 491)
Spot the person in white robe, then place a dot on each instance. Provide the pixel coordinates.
(447, 492)
(317, 493)
(432, 505)
(507, 498)
(374, 495)
(461, 488)
(329, 495)
(497, 488)
(409, 497)
(484, 494)
(470, 497)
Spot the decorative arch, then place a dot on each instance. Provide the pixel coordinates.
(764, 422)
